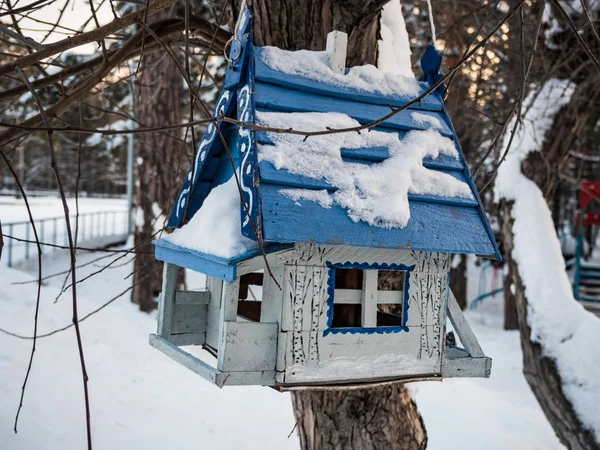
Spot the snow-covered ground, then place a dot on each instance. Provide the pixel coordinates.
(142, 399)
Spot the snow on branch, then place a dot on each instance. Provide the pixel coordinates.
(566, 333)
(394, 45)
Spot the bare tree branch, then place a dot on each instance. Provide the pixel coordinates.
(27, 41)
(84, 38)
(55, 168)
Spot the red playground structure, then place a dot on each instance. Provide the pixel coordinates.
(586, 283)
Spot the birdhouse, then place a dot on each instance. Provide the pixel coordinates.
(327, 244)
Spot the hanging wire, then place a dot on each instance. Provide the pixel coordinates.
(433, 37)
(235, 36)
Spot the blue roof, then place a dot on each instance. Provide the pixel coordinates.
(453, 225)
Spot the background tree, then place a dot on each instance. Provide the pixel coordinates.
(159, 168)
(562, 109)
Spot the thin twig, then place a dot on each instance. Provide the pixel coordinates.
(26, 41)
(517, 110)
(84, 38)
(573, 28)
(39, 283)
(66, 247)
(59, 182)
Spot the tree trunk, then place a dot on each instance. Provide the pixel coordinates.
(304, 24)
(158, 100)
(383, 417)
(458, 275)
(370, 418)
(540, 371)
(511, 318)
(545, 168)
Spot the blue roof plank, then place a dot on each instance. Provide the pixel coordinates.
(286, 180)
(269, 174)
(432, 227)
(267, 74)
(375, 154)
(276, 98)
(283, 178)
(444, 162)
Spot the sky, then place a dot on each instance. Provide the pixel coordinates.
(76, 14)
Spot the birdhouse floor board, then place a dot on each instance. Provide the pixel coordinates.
(276, 98)
(458, 363)
(356, 384)
(206, 371)
(184, 358)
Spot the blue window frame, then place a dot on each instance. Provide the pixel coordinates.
(354, 299)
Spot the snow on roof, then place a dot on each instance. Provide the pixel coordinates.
(376, 194)
(216, 229)
(314, 65)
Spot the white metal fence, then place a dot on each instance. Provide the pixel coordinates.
(91, 229)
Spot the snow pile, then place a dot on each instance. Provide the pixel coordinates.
(139, 398)
(394, 45)
(216, 229)
(567, 333)
(315, 66)
(377, 193)
(424, 119)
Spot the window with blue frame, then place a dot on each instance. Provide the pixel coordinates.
(368, 298)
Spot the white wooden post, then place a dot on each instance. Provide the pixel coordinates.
(215, 287)
(229, 301)
(166, 302)
(337, 43)
(369, 303)
(272, 297)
